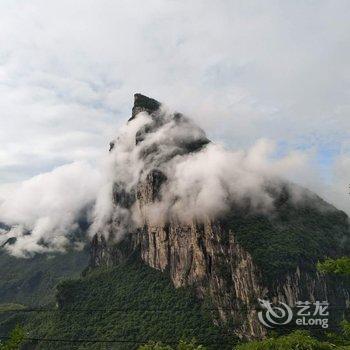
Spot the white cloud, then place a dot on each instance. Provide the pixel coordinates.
(242, 70)
(202, 184)
(338, 192)
(49, 206)
(199, 185)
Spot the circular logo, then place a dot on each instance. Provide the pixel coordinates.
(273, 315)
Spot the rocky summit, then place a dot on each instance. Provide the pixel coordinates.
(235, 258)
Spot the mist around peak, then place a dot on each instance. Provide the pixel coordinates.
(200, 180)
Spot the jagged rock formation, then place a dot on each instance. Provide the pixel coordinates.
(143, 104)
(210, 255)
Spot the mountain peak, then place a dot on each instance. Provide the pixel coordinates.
(143, 103)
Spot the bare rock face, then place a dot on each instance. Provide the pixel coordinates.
(144, 104)
(207, 256)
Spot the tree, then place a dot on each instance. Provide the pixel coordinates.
(339, 266)
(297, 340)
(189, 346)
(183, 345)
(15, 340)
(155, 346)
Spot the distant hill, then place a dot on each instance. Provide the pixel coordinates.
(227, 262)
(237, 256)
(130, 303)
(32, 281)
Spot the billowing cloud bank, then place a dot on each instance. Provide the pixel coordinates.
(44, 211)
(274, 68)
(203, 179)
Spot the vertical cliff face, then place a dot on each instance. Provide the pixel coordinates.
(205, 254)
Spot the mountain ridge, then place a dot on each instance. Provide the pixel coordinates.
(225, 257)
(253, 248)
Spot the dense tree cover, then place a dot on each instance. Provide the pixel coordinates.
(182, 345)
(298, 340)
(291, 236)
(8, 319)
(302, 340)
(339, 266)
(32, 281)
(134, 304)
(15, 340)
(130, 304)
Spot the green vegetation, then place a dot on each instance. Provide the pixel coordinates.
(294, 235)
(345, 325)
(7, 319)
(129, 304)
(15, 340)
(339, 266)
(183, 345)
(298, 340)
(33, 281)
(10, 307)
(302, 340)
(132, 304)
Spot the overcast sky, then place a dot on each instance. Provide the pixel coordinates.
(244, 70)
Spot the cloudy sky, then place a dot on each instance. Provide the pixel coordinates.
(244, 70)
